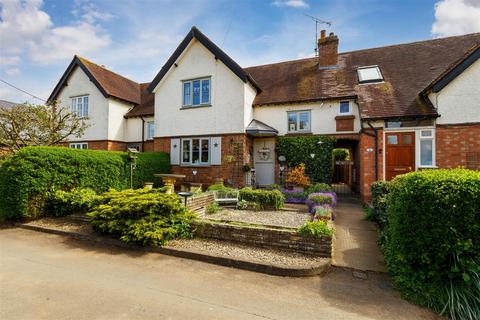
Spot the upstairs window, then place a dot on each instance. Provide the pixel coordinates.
(80, 106)
(196, 92)
(150, 130)
(298, 121)
(369, 74)
(344, 107)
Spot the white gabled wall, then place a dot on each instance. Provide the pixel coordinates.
(322, 116)
(459, 101)
(226, 113)
(79, 84)
(117, 124)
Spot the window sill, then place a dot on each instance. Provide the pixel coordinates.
(297, 133)
(188, 165)
(195, 107)
(427, 167)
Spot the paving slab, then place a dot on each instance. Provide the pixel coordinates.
(355, 242)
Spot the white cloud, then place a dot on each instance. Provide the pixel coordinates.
(456, 17)
(27, 31)
(290, 3)
(13, 72)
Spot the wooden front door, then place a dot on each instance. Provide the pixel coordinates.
(400, 153)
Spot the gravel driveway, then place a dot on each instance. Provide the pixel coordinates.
(291, 219)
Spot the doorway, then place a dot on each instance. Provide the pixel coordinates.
(399, 153)
(264, 160)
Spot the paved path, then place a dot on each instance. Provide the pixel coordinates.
(45, 276)
(355, 243)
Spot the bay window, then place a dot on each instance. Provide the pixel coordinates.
(196, 151)
(196, 92)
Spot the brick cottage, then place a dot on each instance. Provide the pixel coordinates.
(396, 109)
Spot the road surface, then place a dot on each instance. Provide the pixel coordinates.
(45, 276)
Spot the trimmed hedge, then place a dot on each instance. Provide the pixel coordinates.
(432, 244)
(297, 150)
(264, 198)
(62, 203)
(29, 177)
(148, 164)
(147, 217)
(378, 212)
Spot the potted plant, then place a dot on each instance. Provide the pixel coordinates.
(298, 179)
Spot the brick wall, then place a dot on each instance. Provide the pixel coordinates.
(198, 203)
(458, 145)
(265, 238)
(367, 162)
(236, 145)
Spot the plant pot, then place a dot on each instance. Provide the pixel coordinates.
(148, 185)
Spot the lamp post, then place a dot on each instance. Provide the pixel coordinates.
(133, 163)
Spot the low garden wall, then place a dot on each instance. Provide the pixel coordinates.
(197, 203)
(265, 238)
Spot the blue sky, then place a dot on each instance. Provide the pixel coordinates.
(135, 37)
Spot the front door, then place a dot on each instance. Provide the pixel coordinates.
(400, 153)
(264, 160)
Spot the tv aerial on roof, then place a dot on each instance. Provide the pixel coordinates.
(317, 22)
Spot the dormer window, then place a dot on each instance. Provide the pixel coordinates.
(344, 108)
(369, 74)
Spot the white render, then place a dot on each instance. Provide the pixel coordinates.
(78, 85)
(459, 101)
(133, 129)
(117, 124)
(227, 113)
(322, 116)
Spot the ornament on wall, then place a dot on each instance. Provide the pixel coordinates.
(264, 153)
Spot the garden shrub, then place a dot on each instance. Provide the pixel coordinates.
(147, 217)
(297, 176)
(298, 149)
(213, 208)
(273, 186)
(340, 154)
(316, 229)
(242, 205)
(319, 187)
(62, 203)
(223, 192)
(29, 176)
(321, 199)
(432, 246)
(378, 212)
(323, 213)
(264, 198)
(292, 196)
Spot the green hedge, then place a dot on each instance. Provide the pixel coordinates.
(29, 176)
(297, 150)
(147, 217)
(148, 164)
(264, 198)
(62, 203)
(432, 245)
(378, 212)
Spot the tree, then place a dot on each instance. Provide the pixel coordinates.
(38, 125)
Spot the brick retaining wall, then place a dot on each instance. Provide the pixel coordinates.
(265, 238)
(197, 203)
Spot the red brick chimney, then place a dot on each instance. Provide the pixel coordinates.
(327, 51)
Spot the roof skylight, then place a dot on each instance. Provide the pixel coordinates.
(369, 74)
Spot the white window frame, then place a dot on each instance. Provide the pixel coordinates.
(361, 80)
(150, 126)
(200, 163)
(349, 108)
(79, 145)
(421, 138)
(78, 106)
(297, 113)
(190, 104)
(417, 131)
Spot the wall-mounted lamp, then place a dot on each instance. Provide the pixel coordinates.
(312, 155)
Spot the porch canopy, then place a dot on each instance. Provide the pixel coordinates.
(259, 129)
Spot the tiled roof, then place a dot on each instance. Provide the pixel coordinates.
(407, 69)
(114, 84)
(146, 106)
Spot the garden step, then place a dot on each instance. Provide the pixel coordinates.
(79, 217)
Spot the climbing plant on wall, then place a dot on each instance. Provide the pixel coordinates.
(300, 149)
